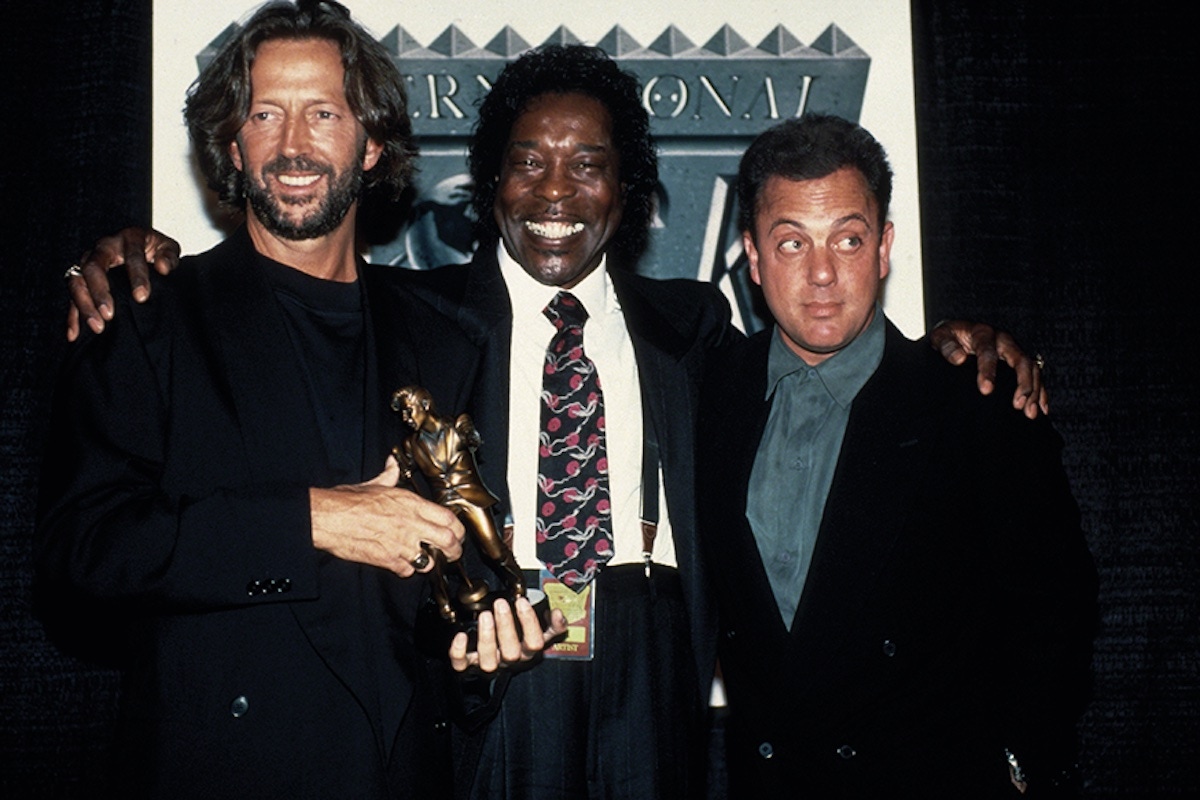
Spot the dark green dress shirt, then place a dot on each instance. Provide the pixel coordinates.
(798, 454)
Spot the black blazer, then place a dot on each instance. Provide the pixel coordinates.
(949, 607)
(175, 494)
(673, 325)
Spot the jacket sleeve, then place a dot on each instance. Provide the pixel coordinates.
(116, 520)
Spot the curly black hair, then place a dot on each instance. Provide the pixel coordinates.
(569, 69)
(808, 148)
(218, 102)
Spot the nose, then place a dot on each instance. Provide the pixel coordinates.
(296, 136)
(555, 184)
(821, 268)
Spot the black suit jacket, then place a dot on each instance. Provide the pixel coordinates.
(175, 491)
(673, 325)
(948, 610)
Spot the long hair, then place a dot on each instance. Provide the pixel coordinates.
(564, 69)
(218, 102)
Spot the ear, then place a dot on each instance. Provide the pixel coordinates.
(371, 154)
(752, 256)
(235, 154)
(885, 250)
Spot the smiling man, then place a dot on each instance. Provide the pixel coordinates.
(885, 629)
(585, 377)
(217, 478)
(564, 172)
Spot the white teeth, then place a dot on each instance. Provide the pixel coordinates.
(307, 180)
(553, 230)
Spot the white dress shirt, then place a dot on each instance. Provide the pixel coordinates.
(606, 341)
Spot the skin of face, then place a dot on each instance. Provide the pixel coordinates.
(559, 199)
(301, 148)
(819, 254)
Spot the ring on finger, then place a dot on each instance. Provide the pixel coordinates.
(1040, 361)
(421, 561)
(73, 271)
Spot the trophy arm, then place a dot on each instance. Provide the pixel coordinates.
(466, 429)
(404, 458)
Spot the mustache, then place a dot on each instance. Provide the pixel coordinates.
(296, 164)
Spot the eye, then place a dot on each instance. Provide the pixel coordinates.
(849, 243)
(791, 246)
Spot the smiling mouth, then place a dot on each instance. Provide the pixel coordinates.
(298, 181)
(553, 230)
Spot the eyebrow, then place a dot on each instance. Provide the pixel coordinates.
(839, 221)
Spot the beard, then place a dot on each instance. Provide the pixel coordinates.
(343, 191)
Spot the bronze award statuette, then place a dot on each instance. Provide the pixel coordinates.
(442, 450)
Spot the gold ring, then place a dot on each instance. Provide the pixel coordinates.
(421, 561)
(73, 271)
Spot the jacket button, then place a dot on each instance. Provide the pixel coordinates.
(766, 750)
(729, 634)
(846, 752)
(239, 706)
(889, 648)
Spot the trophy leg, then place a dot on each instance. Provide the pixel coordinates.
(472, 594)
(441, 594)
(483, 527)
(516, 578)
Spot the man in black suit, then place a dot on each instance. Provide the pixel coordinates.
(565, 171)
(217, 473)
(887, 629)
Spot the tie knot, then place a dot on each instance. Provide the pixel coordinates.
(565, 310)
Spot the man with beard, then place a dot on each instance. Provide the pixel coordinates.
(217, 476)
(565, 171)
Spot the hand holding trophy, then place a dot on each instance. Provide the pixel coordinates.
(442, 449)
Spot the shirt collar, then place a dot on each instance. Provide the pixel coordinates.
(528, 296)
(843, 374)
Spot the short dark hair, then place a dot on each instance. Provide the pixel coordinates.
(568, 69)
(218, 102)
(804, 149)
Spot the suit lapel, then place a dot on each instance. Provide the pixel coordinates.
(485, 314)
(741, 430)
(882, 459)
(265, 382)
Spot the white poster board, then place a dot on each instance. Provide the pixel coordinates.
(879, 28)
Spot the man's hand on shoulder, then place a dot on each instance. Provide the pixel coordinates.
(88, 286)
(376, 523)
(957, 339)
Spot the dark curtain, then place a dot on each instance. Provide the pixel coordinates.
(1053, 201)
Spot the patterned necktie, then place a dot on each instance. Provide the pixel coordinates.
(574, 519)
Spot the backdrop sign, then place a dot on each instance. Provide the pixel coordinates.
(706, 102)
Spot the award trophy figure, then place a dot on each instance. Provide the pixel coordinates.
(442, 449)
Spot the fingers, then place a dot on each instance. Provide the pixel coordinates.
(459, 659)
(983, 343)
(390, 474)
(134, 244)
(1030, 395)
(487, 656)
(533, 638)
(72, 323)
(162, 251)
(90, 298)
(945, 341)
